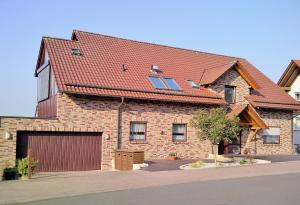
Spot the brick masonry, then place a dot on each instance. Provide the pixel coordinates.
(92, 114)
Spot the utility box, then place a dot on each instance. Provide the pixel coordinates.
(124, 159)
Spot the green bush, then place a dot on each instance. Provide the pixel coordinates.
(10, 173)
(243, 161)
(196, 164)
(22, 166)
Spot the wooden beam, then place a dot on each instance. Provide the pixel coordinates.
(247, 77)
(286, 88)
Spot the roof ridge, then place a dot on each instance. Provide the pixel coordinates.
(156, 44)
(56, 38)
(222, 64)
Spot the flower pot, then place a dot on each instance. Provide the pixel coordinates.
(171, 158)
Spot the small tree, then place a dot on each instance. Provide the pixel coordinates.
(215, 126)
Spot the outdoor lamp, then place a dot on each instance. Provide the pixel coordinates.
(8, 135)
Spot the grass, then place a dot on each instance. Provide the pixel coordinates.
(197, 164)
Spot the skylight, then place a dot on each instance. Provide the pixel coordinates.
(164, 83)
(171, 84)
(157, 83)
(193, 84)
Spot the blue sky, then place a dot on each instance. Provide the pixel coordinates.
(267, 33)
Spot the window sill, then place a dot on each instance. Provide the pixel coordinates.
(270, 144)
(138, 142)
(182, 142)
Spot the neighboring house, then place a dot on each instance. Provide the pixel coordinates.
(99, 93)
(290, 82)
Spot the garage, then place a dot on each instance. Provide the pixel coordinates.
(61, 151)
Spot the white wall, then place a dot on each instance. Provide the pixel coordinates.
(295, 87)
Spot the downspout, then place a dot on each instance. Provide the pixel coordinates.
(119, 142)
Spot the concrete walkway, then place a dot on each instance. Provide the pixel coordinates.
(78, 183)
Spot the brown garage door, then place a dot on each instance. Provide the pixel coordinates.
(61, 151)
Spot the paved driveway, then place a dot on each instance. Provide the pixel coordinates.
(79, 183)
(165, 165)
(262, 190)
(280, 158)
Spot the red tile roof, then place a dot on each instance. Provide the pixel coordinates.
(210, 75)
(99, 71)
(235, 110)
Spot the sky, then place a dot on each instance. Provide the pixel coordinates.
(267, 33)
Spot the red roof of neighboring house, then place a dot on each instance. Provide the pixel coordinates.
(99, 70)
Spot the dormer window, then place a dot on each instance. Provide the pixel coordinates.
(230, 94)
(193, 84)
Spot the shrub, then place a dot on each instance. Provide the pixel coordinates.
(196, 164)
(10, 173)
(22, 166)
(243, 161)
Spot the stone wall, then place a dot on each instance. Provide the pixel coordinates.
(233, 78)
(273, 118)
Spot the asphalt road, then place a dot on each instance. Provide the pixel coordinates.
(263, 190)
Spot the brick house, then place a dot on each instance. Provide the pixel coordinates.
(99, 93)
(290, 83)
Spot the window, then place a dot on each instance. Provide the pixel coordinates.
(297, 95)
(193, 84)
(271, 135)
(43, 84)
(297, 123)
(157, 82)
(230, 94)
(171, 84)
(164, 83)
(251, 91)
(179, 133)
(53, 86)
(137, 131)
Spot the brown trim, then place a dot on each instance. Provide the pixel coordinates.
(142, 98)
(276, 103)
(185, 132)
(289, 75)
(144, 141)
(171, 92)
(257, 119)
(246, 76)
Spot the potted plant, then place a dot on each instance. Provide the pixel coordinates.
(172, 156)
(22, 167)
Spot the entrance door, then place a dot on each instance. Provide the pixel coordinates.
(231, 148)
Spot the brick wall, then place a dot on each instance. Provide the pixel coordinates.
(233, 78)
(160, 118)
(92, 114)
